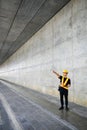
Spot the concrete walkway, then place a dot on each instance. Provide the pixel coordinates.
(31, 110)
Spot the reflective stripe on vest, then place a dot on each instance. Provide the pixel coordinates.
(64, 83)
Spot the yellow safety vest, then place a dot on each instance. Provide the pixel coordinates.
(63, 84)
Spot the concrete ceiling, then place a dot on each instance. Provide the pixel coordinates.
(21, 19)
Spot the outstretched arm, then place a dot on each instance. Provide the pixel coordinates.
(56, 74)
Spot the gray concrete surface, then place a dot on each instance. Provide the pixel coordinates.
(60, 44)
(21, 19)
(36, 112)
(5, 123)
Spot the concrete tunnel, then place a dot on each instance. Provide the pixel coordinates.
(37, 37)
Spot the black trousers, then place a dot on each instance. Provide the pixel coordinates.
(64, 94)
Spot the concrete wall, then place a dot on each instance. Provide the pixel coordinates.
(60, 44)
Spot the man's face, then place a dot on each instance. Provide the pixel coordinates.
(65, 74)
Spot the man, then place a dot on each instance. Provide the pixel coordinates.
(65, 83)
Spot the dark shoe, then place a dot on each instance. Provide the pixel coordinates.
(61, 108)
(67, 109)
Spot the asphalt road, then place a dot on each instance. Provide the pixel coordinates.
(35, 111)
